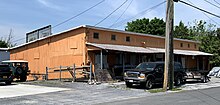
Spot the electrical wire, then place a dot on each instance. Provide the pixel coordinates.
(206, 15)
(217, 2)
(79, 14)
(111, 13)
(212, 4)
(122, 13)
(69, 18)
(138, 14)
(199, 8)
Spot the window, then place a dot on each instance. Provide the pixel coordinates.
(96, 35)
(127, 39)
(195, 46)
(188, 45)
(181, 44)
(113, 37)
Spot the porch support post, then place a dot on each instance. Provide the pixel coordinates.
(101, 61)
(123, 62)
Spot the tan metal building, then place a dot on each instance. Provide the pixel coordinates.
(104, 48)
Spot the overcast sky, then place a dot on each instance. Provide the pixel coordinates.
(23, 16)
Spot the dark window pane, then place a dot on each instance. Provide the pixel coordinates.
(96, 35)
(181, 44)
(113, 37)
(127, 39)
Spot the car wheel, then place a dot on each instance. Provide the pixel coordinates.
(203, 79)
(149, 84)
(23, 78)
(8, 82)
(178, 81)
(128, 84)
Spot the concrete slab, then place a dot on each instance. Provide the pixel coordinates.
(23, 90)
(214, 82)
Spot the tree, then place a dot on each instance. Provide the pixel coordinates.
(182, 31)
(5, 43)
(154, 26)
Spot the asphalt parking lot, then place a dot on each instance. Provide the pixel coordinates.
(55, 92)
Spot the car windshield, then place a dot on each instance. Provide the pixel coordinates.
(146, 66)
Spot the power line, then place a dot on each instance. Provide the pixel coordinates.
(206, 15)
(111, 13)
(122, 14)
(79, 14)
(199, 8)
(217, 2)
(69, 18)
(212, 4)
(142, 12)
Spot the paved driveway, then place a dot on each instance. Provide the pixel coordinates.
(80, 93)
(15, 90)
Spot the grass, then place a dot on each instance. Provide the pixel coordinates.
(176, 89)
(161, 90)
(156, 90)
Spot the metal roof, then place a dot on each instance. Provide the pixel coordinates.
(4, 49)
(18, 61)
(100, 28)
(135, 49)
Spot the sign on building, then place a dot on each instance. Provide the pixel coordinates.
(39, 33)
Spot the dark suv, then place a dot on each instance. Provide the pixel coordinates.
(149, 73)
(6, 74)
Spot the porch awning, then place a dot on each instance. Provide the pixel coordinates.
(144, 49)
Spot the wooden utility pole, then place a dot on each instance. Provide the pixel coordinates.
(168, 68)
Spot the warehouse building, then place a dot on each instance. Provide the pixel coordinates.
(105, 49)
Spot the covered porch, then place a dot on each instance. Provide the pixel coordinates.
(117, 58)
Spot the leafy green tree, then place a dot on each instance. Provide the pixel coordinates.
(3, 44)
(182, 31)
(208, 35)
(154, 26)
(6, 42)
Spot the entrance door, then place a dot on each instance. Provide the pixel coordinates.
(183, 59)
(98, 61)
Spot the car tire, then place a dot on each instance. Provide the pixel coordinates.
(149, 84)
(178, 81)
(203, 79)
(128, 84)
(23, 78)
(8, 82)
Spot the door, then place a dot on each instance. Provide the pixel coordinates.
(159, 73)
(183, 62)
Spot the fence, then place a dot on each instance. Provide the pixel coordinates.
(73, 70)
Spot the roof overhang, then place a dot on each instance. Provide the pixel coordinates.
(135, 49)
(17, 61)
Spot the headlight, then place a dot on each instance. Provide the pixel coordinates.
(142, 76)
(125, 74)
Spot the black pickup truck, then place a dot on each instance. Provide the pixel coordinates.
(6, 74)
(148, 74)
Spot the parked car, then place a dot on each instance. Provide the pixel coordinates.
(6, 74)
(148, 74)
(19, 69)
(214, 72)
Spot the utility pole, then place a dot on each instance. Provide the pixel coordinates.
(168, 68)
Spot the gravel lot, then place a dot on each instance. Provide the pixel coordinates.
(82, 93)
